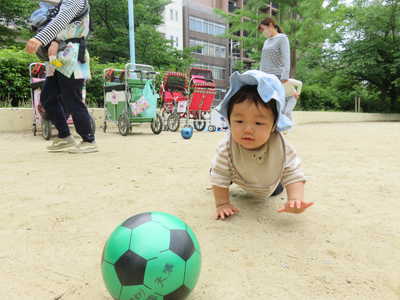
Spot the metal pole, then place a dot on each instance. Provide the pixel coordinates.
(131, 10)
(355, 103)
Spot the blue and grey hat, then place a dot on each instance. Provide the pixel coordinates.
(268, 87)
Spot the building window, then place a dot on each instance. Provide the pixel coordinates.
(208, 49)
(176, 15)
(204, 26)
(171, 14)
(218, 72)
(176, 42)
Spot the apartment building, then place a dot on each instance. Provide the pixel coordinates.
(173, 23)
(191, 23)
(203, 27)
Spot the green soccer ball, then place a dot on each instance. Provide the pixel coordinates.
(151, 256)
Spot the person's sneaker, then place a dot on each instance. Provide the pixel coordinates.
(278, 190)
(84, 147)
(61, 144)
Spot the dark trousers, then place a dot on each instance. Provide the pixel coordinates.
(59, 88)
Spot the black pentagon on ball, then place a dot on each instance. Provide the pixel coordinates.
(181, 244)
(130, 268)
(179, 294)
(137, 220)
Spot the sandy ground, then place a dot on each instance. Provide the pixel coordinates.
(57, 210)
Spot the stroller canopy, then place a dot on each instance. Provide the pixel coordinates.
(175, 81)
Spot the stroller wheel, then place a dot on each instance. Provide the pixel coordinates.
(34, 129)
(92, 124)
(157, 124)
(123, 125)
(173, 122)
(212, 128)
(199, 124)
(46, 129)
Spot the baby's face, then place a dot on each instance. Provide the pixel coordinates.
(251, 124)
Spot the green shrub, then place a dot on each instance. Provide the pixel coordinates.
(14, 77)
(316, 97)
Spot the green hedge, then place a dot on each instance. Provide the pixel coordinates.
(14, 79)
(334, 95)
(329, 98)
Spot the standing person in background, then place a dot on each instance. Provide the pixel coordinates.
(275, 56)
(65, 83)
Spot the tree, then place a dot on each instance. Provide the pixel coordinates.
(13, 16)
(110, 37)
(372, 52)
(304, 21)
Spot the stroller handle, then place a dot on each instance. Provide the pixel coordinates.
(143, 70)
(31, 67)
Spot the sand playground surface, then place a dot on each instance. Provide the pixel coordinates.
(58, 209)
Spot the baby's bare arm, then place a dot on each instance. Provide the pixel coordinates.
(295, 191)
(221, 195)
(224, 208)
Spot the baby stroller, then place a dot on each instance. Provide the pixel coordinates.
(173, 93)
(217, 122)
(130, 97)
(202, 95)
(37, 75)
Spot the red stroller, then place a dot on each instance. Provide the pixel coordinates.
(174, 98)
(202, 95)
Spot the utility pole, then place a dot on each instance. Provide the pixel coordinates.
(131, 10)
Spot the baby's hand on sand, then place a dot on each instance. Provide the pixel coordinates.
(225, 211)
(295, 206)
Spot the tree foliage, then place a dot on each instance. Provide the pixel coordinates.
(110, 37)
(13, 15)
(302, 20)
(338, 51)
(372, 52)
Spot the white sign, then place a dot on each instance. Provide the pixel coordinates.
(182, 106)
